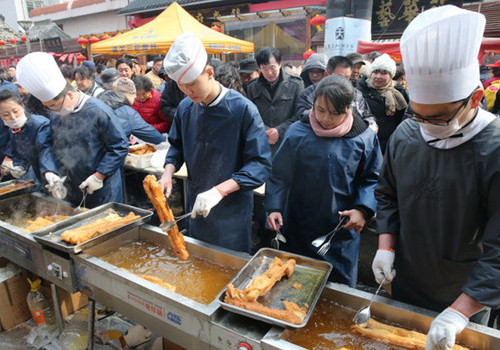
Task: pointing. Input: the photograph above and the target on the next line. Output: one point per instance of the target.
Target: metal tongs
(167, 225)
(275, 242)
(79, 208)
(323, 242)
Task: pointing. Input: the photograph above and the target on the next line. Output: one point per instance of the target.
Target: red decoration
(13, 41)
(307, 54)
(94, 40)
(80, 57)
(105, 37)
(317, 21)
(216, 28)
(2, 43)
(82, 41)
(23, 38)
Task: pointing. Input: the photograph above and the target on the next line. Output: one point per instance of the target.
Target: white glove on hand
(92, 184)
(18, 172)
(444, 328)
(382, 266)
(7, 165)
(205, 201)
(56, 185)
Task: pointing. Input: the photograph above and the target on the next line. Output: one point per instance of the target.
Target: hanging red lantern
(13, 41)
(2, 43)
(23, 38)
(105, 37)
(80, 57)
(317, 21)
(307, 54)
(94, 40)
(216, 28)
(82, 41)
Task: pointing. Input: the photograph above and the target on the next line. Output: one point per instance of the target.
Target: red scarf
(338, 131)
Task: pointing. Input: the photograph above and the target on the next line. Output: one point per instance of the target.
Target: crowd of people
(344, 139)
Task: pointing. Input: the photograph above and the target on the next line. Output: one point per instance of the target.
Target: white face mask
(441, 131)
(65, 111)
(17, 123)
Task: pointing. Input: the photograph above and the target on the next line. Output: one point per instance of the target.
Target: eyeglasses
(60, 106)
(439, 120)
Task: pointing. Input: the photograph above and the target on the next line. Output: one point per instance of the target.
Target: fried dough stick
(262, 284)
(156, 196)
(292, 313)
(17, 186)
(159, 282)
(395, 335)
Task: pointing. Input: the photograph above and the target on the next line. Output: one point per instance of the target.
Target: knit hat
(125, 86)
(385, 63)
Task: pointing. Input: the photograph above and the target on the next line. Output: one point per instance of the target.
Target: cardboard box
(69, 302)
(13, 292)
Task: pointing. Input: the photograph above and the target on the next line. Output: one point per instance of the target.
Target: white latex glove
(382, 266)
(55, 185)
(7, 164)
(18, 172)
(92, 183)
(205, 201)
(444, 328)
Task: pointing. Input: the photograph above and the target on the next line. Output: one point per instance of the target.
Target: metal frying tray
(310, 273)
(28, 188)
(51, 236)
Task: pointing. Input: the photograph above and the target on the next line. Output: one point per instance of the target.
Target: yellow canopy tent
(157, 36)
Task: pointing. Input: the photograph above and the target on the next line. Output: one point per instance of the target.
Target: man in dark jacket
(171, 96)
(275, 93)
(314, 69)
(339, 65)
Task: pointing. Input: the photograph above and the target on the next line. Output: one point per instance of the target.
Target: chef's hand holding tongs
(8, 167)
(55, 185)
(92, 183)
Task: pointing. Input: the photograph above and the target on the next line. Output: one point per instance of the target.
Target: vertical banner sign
(342, 35)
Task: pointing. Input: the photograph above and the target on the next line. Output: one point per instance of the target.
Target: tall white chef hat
(38, 73)
(439, 49)
(186, 59)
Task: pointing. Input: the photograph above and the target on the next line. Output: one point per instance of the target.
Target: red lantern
(318, 21)
(13, 41)
(94, 40)
(216, 28)
(23, 38)
(82, 41)
(307, 54)
(2, 43)
(80, 57)
(105, 37)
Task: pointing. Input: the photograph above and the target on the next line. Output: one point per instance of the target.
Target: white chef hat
(439, 49)
(38, 73)
(186, 59)
(386, 63)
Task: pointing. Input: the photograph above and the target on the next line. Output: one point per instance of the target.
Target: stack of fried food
(16, 186)
(395, 336)
(156, 196)
(41, 222)
(259, 286)
(98, 227)
(142, 149)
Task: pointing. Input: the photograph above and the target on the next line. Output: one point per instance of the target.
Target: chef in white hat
(439, 190)
(88, 143)
(220, 136)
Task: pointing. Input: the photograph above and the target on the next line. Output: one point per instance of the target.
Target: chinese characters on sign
(134, 47)
(394, 15)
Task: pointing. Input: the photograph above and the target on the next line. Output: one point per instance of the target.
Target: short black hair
(84, 72)
(400, 71)
(67, 71)
(338, 61)
(9, 95)
(264, 55)
(157, 58)
(337, 90)
(125, 60)
(99, 68)
(64, 91)
(142, 83)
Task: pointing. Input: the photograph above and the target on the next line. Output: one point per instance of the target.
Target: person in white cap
(88, 143)
(438, 195)
(220, 136)
(387, 99)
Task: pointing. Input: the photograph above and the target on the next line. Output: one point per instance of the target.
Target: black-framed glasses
(60, 106)
(436, 120)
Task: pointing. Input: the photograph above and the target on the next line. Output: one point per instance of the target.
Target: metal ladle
(363, 315)
(79, 208)
(167, 225)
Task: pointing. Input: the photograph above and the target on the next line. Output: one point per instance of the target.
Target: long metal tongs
(167, 225)
(323, 242)
(79, 208)
(275, 242)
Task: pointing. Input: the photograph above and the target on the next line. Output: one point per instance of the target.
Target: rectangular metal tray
(310, 273)
(26, 189)
(51, 236)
